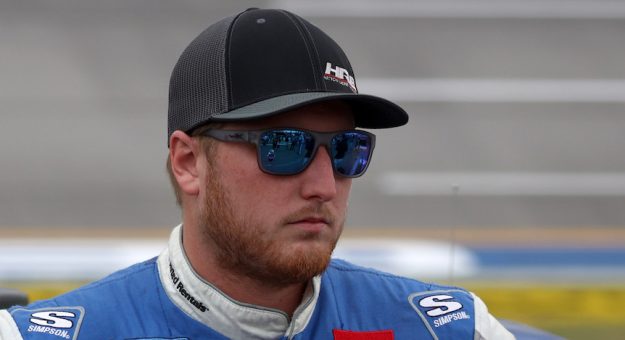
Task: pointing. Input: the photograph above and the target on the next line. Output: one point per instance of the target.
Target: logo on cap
(341, 76)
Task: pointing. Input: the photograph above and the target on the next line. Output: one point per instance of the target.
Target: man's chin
(302, 261)
(311, 247)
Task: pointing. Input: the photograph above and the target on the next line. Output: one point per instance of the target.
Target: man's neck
(285, 298)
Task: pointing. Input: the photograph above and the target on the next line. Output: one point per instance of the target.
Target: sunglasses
(289, 151)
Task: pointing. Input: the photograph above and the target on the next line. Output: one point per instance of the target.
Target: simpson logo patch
(437, 305)
(445, 313)
(369, 335)
(340, 75)
(55, 322)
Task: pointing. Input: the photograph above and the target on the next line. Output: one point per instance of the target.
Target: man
(263, 149)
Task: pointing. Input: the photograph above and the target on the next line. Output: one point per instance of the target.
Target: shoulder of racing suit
(127, 304)
(375, 300)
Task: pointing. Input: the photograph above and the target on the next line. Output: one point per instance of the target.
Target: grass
(590, 311)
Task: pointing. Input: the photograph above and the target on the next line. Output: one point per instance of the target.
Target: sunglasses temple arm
(231, 136)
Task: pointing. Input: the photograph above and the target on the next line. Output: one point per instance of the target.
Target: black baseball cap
(263, 62)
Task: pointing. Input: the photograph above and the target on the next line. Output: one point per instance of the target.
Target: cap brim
(370, 112)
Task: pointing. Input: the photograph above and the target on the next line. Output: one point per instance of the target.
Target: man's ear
(183, 154)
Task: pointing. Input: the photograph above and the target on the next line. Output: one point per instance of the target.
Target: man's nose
(318, 179)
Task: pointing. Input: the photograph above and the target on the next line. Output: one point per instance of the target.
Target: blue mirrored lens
(350, 153)
(285, 151)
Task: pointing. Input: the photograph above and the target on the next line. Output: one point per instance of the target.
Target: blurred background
(509, 178)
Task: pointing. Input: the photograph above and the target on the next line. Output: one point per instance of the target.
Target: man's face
(278, 229)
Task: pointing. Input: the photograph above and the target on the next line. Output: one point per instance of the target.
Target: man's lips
(312, 220)
(311, 223)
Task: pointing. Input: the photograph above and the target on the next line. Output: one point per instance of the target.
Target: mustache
(320, 211)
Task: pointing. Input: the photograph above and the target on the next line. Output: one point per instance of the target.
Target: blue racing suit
(163, 298)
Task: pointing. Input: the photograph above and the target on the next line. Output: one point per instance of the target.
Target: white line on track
(556, 9)
(495, 90)
(502, 184)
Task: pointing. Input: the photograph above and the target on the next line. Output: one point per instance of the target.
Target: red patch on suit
(369, 335)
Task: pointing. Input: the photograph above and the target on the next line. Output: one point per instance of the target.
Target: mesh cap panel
(198, 88)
